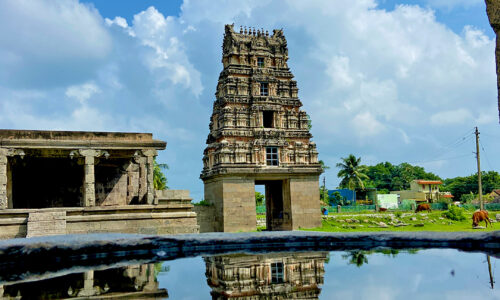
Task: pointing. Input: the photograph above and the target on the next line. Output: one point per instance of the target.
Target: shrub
(398, 214)
(202, 203)
(455, 213)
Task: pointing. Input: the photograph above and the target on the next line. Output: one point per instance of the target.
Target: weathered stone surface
(44, 223)
(256, 112)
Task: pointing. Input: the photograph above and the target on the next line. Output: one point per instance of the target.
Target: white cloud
(451, 117)
(43, 42)
(82, 92)
(366, 125)
(399, 81)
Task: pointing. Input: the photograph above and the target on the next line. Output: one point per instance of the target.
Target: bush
(398, 214)
(455, 213)
(202, 203)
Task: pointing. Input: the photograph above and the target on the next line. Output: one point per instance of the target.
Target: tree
(352, 172)
(459, 186)
(389, 177)
(356, 257)
(323, 165)
(259, 199)
(159, 179)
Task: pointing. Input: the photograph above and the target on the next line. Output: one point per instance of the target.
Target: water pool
(350, 268)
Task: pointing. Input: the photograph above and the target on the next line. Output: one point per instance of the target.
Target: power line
(485, 155)
(455, 144)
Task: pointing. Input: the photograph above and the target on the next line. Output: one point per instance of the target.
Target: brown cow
(382, 209)
(423, 206)
(479, 216)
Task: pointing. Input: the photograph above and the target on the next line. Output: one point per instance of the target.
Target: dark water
(374, 274)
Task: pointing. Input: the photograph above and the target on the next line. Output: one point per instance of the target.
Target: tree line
(388, 177)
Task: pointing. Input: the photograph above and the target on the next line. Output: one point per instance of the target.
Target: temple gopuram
(66, 182)
(266, 276)
(259, 136)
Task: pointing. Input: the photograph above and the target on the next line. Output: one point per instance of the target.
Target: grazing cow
(382, 209)
(479, 216)
(423, 206)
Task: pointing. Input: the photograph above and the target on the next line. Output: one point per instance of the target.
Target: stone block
(46, 223)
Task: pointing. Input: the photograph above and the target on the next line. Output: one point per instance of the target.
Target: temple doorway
(277, 208)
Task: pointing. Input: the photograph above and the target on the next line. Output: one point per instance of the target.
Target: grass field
(409, 221)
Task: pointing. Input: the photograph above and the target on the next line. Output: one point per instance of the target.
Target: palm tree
(352, 172)
(356, 257)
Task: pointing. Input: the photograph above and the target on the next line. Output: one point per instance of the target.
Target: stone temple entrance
(259, 135)
(277, 205)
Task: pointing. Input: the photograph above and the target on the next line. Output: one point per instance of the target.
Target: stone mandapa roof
(77, 139)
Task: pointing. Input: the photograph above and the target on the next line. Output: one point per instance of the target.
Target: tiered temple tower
(259, 135)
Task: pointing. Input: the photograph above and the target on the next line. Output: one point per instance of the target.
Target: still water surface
(376, 274)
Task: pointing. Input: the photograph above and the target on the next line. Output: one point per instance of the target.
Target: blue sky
(398, 81)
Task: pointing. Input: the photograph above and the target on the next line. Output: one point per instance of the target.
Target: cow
(382, 209)
(423, 206)
(479, 216)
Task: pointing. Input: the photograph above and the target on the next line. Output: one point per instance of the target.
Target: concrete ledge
(144, 219)
(131, 216)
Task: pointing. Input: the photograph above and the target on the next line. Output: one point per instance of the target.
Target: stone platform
(142, 219)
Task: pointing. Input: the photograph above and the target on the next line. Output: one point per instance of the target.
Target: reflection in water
(360, 257)
(269, 276)
(132, 281)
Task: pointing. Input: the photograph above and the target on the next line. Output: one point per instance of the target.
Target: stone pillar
(88, 285)
(3, 179)
(89, 176)
(150, 188)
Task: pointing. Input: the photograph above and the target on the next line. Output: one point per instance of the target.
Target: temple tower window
(260, 62)
(272, 156)
(268, 119)
(264, 89)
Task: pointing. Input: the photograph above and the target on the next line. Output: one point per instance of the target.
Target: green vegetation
(455, 213)
(203, 202)
(159, 179)
(259, 199)
(462, 187)
(371, 222)
(360, 257)
(353, 174)
(388, 177)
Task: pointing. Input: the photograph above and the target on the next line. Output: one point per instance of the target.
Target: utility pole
(492, 280)
(481, 205)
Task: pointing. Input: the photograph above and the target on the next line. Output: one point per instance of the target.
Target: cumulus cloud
(82, 92)
(43, 42)
(384, 85)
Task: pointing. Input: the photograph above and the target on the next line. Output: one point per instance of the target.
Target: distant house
(423, 191)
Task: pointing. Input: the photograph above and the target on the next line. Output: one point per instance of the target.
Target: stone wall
(305, 207)
(239, 213)
(205, 217)
(140, 219)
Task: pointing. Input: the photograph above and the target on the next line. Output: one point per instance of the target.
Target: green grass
(431, 223)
